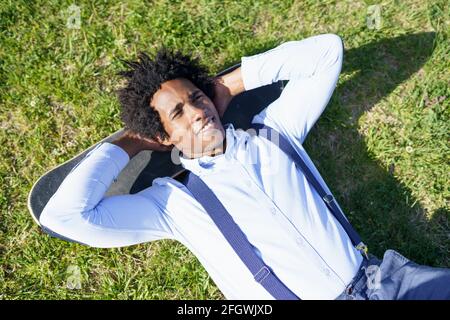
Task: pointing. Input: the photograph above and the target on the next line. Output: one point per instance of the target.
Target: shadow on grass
(379, 207)
(378, 203)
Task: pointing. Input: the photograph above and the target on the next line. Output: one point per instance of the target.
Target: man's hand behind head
(133, 143)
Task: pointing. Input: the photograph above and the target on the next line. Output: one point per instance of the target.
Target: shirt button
(327, 272)
(299, 242)
(273, 210)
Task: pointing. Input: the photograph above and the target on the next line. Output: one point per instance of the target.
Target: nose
(198, 114)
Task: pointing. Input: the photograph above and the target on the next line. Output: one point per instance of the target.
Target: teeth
(207, 126)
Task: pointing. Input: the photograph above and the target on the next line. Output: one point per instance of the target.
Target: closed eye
(177, 113)
(179, 108)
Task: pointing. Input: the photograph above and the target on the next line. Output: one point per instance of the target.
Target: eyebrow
(179, 105)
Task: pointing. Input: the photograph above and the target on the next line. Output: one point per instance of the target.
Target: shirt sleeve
(79, 211)
(312, 66)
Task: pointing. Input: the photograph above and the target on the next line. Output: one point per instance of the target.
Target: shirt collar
(205, 164)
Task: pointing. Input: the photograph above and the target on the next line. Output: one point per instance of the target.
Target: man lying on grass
(304, 251)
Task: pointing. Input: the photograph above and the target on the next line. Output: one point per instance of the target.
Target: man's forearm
(226, 88)
(84, 187)
(130, 147)
(233, 81)
(134, 143)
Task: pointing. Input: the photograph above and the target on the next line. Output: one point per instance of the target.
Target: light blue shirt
(269, 198)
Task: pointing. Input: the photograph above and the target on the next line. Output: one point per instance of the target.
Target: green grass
(382, 144)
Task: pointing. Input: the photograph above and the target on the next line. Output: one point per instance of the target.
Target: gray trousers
(397, 278)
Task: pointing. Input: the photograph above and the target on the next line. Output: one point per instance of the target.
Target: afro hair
(145, 76)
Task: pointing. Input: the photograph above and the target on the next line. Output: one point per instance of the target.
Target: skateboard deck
(143, 168)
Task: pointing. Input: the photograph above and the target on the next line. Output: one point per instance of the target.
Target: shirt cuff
(249, 72)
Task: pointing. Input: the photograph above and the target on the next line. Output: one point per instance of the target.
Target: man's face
(189, 117)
